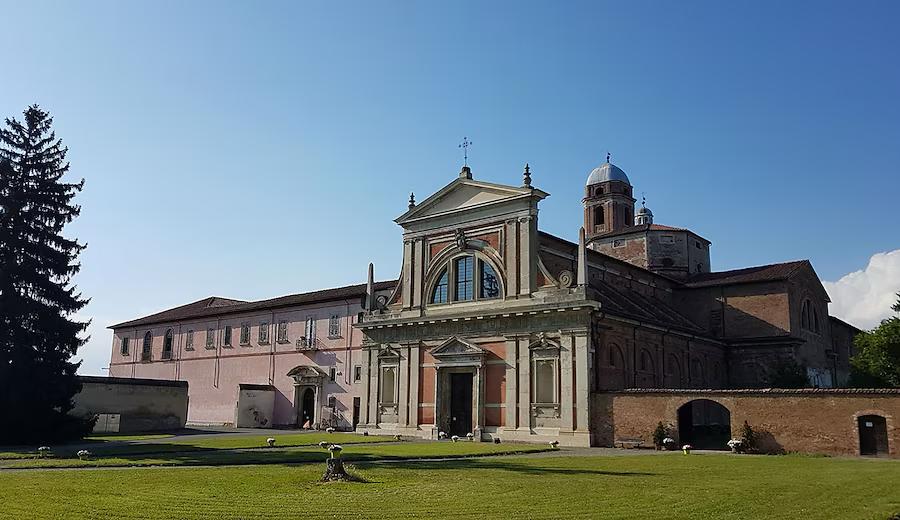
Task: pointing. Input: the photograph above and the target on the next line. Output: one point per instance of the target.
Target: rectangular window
(666, 239)
(332, 374)
(334, 326)
(189, 340)
(124, 349)
(465, 279)
(210, 338)
(310, 332)
(357, 374)
(282, 331)
(227, 341)
(245, 333)
(263, 332)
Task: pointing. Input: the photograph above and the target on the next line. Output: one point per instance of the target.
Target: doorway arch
(308, 408)
(873, 439)
(704, 424)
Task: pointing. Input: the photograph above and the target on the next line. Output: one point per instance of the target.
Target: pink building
(283, 361)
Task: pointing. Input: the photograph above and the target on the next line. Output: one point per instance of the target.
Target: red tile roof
(646, 227)
(215, 306)
(761, 273)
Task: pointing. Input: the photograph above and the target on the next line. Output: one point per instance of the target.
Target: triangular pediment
(456, 347)
(466, 194)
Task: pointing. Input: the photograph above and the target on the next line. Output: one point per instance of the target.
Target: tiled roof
(761, 273)
(627, 303)
(768, 391)
(622, 301)
(645, 227)
(215, 306)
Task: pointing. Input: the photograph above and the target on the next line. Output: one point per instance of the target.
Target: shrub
(659, 434)
(748, 438)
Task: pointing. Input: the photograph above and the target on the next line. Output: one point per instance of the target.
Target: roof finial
(643, 199)
(526, 177)
(465, 144)
(607, 156)
(412, 200)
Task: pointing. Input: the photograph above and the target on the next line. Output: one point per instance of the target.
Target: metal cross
(465, 146)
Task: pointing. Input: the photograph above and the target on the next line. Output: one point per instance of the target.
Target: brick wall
(807, 420)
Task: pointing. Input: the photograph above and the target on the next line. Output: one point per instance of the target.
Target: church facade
(496, 328)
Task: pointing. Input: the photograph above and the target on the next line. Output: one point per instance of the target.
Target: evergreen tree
(38, 335)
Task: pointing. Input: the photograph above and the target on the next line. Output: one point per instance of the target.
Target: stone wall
(805, 420)
(133, 405)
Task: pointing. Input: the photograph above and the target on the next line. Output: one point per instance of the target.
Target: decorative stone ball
(329, 429)
(454, 438)
(496, 440)
(270, 441)
(554, 444)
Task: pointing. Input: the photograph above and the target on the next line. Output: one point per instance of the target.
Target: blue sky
(251, 149)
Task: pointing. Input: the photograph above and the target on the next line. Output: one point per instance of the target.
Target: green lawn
(230, 456)
(665, 486)
(112, 446)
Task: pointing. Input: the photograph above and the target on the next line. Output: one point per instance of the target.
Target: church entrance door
(308, 408)
(460, 403)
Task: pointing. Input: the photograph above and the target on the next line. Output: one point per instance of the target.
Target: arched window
(167, 345)
(471, 278)
(464, 270)
(490, 284)
(646, 361)
(815, 320)
(598, 216)
(804, 315)
(439, 295)
(147, 346)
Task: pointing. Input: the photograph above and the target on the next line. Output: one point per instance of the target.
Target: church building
(496, 328)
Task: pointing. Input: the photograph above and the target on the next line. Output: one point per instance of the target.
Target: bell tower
(608, 201)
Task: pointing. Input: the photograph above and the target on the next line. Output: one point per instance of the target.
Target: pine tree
(38, 335)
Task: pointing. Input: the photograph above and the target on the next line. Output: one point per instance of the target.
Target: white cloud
(864, 298)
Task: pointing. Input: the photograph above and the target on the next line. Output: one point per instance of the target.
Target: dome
(607, 172)
(644, 210)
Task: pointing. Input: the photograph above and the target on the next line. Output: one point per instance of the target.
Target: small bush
(660, 433)
(748, 438)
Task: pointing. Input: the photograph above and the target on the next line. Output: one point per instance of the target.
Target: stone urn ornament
(334, 466)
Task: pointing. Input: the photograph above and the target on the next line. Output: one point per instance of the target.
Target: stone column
(403, 386)
(582, 382)
(418, 259)
(511, 258)
(414, 363)
(524, 422)
(374, 379)
(512, 353)
(407, 273)
(566, 401)
(479, 402)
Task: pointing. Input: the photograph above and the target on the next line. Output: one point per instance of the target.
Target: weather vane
(465, 146)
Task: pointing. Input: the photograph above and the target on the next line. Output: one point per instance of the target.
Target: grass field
(226, 456)
(666, 486)
(109, 446)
